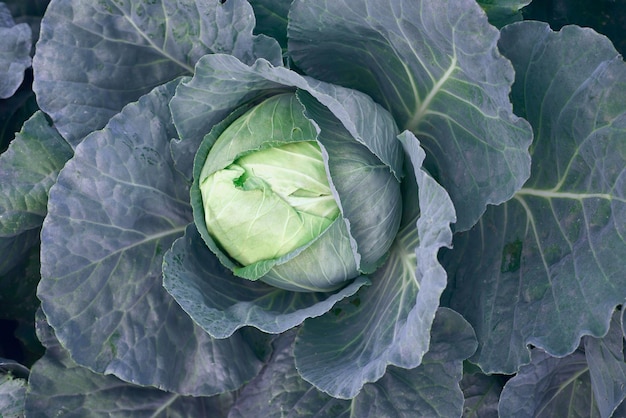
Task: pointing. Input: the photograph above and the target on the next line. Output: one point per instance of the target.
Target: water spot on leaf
(511, 256)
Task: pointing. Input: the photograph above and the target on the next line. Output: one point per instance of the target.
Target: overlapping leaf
(389, 322)
(28, 169)
(503, 12)
(548, 266)
(587, 383)
(549, 387)
(221, 303)
(59, 386)
(15, 44)
(432, 389)
(95, 57)
(116, 208)
(435, 66)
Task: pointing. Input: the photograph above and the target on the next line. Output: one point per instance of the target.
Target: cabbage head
(268, 203)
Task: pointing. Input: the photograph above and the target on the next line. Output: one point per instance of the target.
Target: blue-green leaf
(435, 66)
(15, 44)
(430, 390)
(271, 18)
(28, 169)
(279, 390)
(117, 206)
(548, 267)
(550, 387)
(607, 368)
(221, 303)
(389, 322)
(59, 386)
(95, 57)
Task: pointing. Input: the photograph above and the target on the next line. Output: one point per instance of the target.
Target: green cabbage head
(269, 204)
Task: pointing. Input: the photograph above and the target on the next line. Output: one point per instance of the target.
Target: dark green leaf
(548, 266)
(389, 322)
(430, 390)
(425, 61)
(27, 171)
(271, 18)
(280, 392)
(15, 44)
(550, 387)
(503, 12)
(95, 57)
(116, 208)
(482, 393)
(18, 286)
(605, 357)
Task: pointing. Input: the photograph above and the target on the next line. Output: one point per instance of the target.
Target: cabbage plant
(316, 208)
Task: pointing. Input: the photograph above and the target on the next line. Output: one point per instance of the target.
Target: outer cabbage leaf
(15, 44)
(548, 266)
(221, 303)
(271, 18)
(607, 369)
(432, 389)
(389, 322)
(95, 57)
(435, 66)
(118, 204)
(503, 12)
(549, 387)
(588, 383)
(28, 169)
(59, 386)
(482, 393)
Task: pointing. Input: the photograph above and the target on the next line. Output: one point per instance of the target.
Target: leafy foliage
(503, 136)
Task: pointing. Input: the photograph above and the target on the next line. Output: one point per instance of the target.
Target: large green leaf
(15, 44)
(279, 391)
(435, 66)
(430, 390)
(28, 169)
(389, 322)
(59, 386)
(117, 206)
(550, 387)
(548, 266)
(607, 369)
(93, 57)
(221, 303)
(588, 383)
